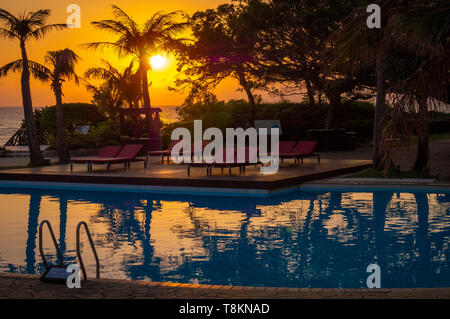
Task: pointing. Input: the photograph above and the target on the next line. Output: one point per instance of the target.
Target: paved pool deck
(174, 178)
(20, 286)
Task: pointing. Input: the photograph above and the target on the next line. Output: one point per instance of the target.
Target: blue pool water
(314, 239)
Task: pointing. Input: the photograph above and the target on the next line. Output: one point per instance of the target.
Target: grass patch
(372, 173)
(433, 137)
(439, 137)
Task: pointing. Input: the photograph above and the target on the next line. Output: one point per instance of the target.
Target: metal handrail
(97, 262)
(41, 250)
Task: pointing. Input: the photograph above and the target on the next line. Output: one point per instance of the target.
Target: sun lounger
(286, 147)
(168, 153)
(126, 155)
(301, 150)
(230, 160)
(105, 152)
(163, 153)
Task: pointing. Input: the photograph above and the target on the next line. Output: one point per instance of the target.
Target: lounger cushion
(105, 152)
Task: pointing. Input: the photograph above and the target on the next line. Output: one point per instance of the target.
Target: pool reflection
(320, 239)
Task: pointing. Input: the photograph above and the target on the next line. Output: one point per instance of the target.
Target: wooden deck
(174, 177)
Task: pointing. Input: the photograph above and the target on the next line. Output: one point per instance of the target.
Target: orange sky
(92, 10)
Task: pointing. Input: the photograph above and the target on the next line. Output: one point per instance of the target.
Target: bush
(295, 118)
(105, 133)
(74, 114)
(440, 126)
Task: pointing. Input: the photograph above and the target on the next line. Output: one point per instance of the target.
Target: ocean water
(11, 118)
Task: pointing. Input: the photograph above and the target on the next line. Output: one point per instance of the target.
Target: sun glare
(158, 62)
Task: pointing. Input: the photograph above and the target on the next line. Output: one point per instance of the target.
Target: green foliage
(296, 118)
(102, 134)
(74, 114)
(101, 131)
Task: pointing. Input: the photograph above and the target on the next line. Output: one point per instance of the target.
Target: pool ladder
(78, 247)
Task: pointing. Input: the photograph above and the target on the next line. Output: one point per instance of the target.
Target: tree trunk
(63, 150)
(335, 112)
(380, 107)
(36, 158)
(147, 103)
(422, 127)
(251, 99)
(312, 102)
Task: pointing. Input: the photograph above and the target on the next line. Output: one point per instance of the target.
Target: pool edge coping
(196, 291)
(174, 185)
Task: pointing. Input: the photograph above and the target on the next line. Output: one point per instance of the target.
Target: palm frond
(125, 18)
(11, 67)
(8, 18)
(97, 72)
(63, 63)
(112, 26)
(430, 24)
(42, 31)
(121, 50)
(39, 71)
(7, 34)
(38, 18)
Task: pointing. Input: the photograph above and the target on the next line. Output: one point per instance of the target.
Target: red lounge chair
(105, 152)
(163, 153)
(230, 159)
(194, 153)
(301, 150)
(229, 155)
(126, 155)
(286, 147)
(167, 153)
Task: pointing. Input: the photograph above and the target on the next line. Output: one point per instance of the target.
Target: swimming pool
(318, 239)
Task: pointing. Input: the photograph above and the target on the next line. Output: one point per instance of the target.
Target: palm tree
(124, 86)
(141, 42)
(422, 28)
(118, 88)
(24, 27)
(357, 47)
(62, 63)
(426, 28)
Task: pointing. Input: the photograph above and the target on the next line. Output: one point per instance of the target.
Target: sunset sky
(94, 10)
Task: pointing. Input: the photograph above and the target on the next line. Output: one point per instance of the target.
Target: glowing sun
(158, 62)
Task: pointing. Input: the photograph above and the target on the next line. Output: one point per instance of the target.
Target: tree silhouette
(157, 34)
(26, 27)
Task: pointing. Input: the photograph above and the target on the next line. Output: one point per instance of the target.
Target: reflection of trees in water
(31, 252)
(62, 224)
(423, 244)
(380, 203)
(303, 254)
(123, 222)
(33, 217)
(269, 252)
